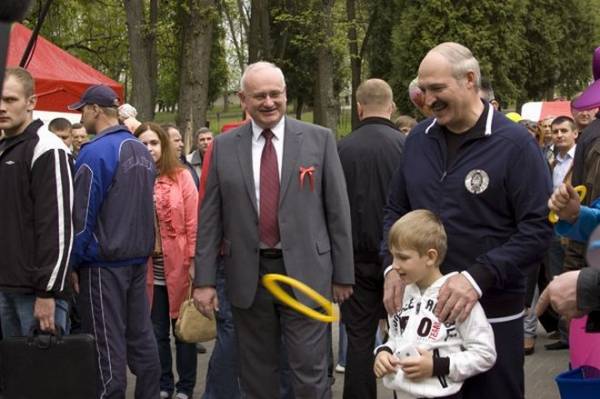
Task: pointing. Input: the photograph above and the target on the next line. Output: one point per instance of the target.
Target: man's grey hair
(461, 59)
(256, 67)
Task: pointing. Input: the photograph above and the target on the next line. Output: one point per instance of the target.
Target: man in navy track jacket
(486, 179)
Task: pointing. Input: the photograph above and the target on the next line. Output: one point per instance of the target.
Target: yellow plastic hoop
(270, 281)
(581, 190)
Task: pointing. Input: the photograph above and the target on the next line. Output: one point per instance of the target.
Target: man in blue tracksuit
(486, 179)
(114, 227)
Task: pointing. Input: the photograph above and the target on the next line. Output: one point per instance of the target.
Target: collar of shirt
(278, 131)
(568, 156)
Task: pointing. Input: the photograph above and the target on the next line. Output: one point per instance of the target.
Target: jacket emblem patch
(477, 181)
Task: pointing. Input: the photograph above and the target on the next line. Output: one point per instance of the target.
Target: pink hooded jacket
(177, 210)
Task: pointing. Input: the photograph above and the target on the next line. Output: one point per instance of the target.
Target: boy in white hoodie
(423, 357)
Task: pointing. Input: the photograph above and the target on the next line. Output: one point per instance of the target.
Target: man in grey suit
(276, 202)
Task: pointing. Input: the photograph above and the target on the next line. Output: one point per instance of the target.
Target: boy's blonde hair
(419, 230)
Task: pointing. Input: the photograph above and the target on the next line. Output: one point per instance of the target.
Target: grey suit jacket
(314, 224)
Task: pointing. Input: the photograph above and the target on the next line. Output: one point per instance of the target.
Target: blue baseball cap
(100, 95)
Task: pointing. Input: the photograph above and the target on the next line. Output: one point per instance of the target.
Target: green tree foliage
(95, 31)
(485, 26)
(218, 73)
(529, 49)
(559, 49)
(92, 30)
(381, 23)
(295, 44)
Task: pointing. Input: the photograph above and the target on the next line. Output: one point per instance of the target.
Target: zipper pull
(443, 176)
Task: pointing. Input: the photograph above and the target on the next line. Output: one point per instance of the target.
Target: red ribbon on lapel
(307, 171)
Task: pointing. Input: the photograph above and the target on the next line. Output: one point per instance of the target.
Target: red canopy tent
(60, 78)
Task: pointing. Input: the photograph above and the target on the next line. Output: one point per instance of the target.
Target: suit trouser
(115, 310)
(259, 332)
(506, 378)
(361, 314)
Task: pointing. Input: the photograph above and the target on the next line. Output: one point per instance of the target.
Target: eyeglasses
(273, 95)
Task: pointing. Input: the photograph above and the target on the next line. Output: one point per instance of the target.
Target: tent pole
(33, 39)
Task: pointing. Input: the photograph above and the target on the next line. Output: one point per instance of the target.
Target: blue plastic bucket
(580, 383)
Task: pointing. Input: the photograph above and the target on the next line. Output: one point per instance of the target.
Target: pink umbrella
(590, 98)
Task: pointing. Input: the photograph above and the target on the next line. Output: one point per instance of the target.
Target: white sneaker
(164, 395)
(340, 369)
(181, 396)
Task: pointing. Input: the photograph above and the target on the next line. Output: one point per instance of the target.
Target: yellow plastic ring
(270, 281)
(581, 190)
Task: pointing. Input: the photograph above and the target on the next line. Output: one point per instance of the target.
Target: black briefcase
(48, 366)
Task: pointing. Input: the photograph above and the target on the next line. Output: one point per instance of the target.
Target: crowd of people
(439, 227)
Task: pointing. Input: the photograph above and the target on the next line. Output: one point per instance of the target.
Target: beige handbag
(192, 326)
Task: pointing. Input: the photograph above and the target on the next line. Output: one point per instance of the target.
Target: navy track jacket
(492, 200)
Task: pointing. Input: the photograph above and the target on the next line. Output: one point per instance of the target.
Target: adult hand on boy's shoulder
(393, 291)
(385, 363)
(418, 367)
(455, 299)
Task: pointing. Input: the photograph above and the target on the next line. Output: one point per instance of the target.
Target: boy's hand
(418, 367)
(385, 363)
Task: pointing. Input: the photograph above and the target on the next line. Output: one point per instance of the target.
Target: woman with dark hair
(176, 203)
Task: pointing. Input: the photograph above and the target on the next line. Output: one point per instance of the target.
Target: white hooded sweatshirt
(469, 345)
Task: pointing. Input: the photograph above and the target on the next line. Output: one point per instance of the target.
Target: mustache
(438, 104)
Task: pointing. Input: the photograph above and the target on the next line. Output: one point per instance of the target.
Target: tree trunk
(197, 26)
(226, 100)
(152, 52)
(259, 36)
(299, 107)
(326, 105)
(139, 50)
(355, 60)
(237, 42)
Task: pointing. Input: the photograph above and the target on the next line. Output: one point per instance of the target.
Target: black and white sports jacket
(36, 200)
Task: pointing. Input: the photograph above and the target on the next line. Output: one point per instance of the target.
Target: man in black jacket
(35, 210)
(369, 156)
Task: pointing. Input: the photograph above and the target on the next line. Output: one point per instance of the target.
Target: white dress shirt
(561, 167)
(258, 143)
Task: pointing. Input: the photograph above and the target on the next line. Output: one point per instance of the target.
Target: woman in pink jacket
(176, 205)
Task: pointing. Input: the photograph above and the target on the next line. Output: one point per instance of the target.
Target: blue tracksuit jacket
(113, 211)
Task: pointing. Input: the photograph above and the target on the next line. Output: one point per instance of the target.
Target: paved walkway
(540, 370)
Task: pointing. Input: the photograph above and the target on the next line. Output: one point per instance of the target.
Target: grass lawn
(218, 118)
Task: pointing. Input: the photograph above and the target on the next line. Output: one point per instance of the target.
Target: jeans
(530, 321)
(222, 380)
(16, 314)
(342, 345)
(185, 354)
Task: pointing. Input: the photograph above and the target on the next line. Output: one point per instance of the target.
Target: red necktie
(269, 192)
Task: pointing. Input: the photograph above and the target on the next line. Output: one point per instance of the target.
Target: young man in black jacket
(35, 209)
(369, 156)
